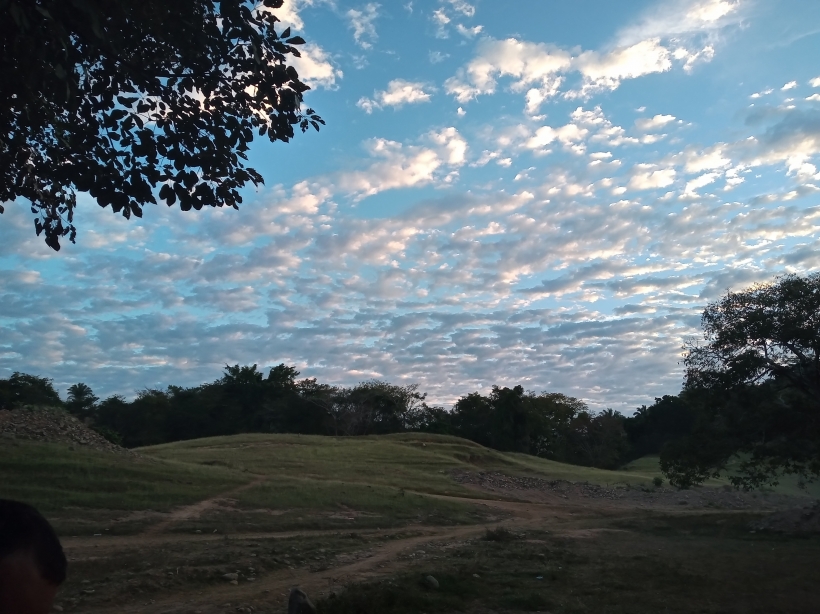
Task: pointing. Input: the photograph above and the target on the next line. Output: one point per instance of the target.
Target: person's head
(32, 562)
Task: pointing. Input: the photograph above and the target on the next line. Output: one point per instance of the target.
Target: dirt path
(560, 515)
(271, 590)
(379, 560)
(195, 510)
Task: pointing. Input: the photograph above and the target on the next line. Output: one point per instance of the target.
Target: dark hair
(23, 528)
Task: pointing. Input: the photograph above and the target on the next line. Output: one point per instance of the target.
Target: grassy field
(351, 498)
(410, 461)
(648, 467)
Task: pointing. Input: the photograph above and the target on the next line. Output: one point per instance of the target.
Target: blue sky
(529, 192)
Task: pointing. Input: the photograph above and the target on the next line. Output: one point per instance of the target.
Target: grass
(648, 467)
(51, 476)
(411, 461)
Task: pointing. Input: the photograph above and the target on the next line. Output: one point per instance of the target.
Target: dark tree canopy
(137, 100)
(755, 387)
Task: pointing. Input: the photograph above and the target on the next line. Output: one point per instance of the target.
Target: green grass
(53, 477)
(648, 467)
(412, 461)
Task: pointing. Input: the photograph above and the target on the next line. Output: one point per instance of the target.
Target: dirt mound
(53, 426)
(799, 520)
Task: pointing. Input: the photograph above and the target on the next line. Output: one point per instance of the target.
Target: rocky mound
(53, 426)
(700, 497)
(799, 520)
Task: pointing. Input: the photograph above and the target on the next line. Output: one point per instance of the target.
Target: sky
(529, 192)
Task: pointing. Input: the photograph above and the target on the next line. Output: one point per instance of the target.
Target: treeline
(244, 399)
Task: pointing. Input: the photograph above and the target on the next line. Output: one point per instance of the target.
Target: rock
(234, 582)
(231, 576)
(431, 582)
(298, 603)
(57, 608)
(54, 425)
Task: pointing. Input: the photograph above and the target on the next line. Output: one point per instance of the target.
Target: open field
(360, 522)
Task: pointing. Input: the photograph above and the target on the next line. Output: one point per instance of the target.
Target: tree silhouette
(133, 101)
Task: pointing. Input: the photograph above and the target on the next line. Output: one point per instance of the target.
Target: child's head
(32, 563)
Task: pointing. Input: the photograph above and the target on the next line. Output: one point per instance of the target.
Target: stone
(431, 582)
(231, 576)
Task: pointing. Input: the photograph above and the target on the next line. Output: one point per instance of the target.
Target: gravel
(53, 425)
(699, 497)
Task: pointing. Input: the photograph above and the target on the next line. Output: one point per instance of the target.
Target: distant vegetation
(244, 400)
(751, 402)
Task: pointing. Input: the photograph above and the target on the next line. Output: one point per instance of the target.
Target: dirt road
(384, 552)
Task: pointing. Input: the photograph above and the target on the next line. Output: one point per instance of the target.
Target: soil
(53, 425)
(246, 577)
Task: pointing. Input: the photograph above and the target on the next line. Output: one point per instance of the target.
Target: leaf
(296, 40)
(286, 33)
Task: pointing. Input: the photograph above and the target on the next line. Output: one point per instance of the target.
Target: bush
(657, 482)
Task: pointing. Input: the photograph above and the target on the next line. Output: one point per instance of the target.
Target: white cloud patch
(682, 20)
(789, 86)
(649, 124)
(606, 71)
(468, 32)
(462, 7)
(683, 32)
(398, 93)
(363, 23)
(528, 63)
(316, 68)
(646, 178)
(440, 20)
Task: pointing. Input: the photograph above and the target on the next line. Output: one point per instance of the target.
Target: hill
(229, 524)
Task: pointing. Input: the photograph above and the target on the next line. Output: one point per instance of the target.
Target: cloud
(648, 124)
(682, 32)
(403, 166)
(468, 32)
(362, 22)
(465, 8)
(699, 182)
(606, 71)
(681, 20)
(315, 67)
(398, 93)
(647, 179)
(528, 63)
(440, 19)
(815, 82)
(789, 86)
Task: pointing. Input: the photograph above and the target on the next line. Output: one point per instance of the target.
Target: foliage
(82, 402)
(24, 389)
(650, 428)
(246, 400)
(130, 100)
(551, 425)
(755, 388)
(767, 332)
